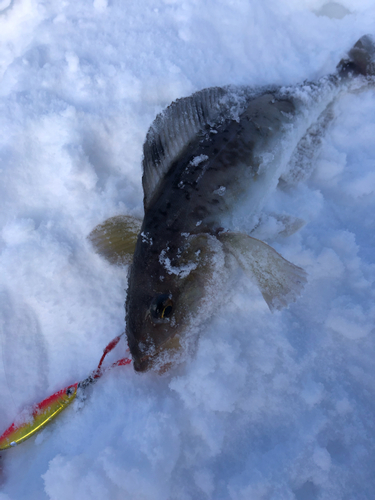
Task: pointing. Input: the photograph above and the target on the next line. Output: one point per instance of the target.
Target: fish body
(203, 156)
(184, 214)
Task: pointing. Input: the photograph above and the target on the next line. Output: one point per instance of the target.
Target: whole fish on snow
(202, 156)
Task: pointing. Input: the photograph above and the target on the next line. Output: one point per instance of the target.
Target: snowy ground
(273, 406)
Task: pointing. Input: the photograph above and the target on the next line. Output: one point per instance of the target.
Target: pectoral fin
(280, 281)
(115, 238)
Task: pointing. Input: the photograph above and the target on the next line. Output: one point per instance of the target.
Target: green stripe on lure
(44, 412)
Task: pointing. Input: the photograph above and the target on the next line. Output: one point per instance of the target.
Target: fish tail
(360, 60)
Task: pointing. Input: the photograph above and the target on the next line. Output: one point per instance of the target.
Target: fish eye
(166, 311)
(161, 307)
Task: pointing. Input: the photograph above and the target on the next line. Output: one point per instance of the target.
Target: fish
(203, 156)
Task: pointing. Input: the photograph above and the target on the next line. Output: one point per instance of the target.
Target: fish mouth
(148, 361)
(144, 363)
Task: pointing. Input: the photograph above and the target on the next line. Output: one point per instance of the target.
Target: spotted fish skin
(201, 156)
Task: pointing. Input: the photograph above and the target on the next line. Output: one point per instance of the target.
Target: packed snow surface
(272, 406)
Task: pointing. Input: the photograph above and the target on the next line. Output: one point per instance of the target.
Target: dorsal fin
(173, 129)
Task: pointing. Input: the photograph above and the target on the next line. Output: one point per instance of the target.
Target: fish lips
(148, 361)
(143, 356)
(143, 364)
(152, 359)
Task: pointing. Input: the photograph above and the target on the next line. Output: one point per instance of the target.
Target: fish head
(169, 292)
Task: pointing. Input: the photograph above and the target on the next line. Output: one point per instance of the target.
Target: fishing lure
(44, 412)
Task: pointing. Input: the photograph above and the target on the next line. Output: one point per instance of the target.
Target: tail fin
(361, 60)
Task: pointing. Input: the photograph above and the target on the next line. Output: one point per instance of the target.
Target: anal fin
(115, 238)
(280, 281)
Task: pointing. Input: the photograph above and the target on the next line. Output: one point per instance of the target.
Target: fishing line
(41, 414)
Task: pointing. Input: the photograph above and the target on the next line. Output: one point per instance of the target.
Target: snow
(182, 271)
(272, 406)
(198, 159)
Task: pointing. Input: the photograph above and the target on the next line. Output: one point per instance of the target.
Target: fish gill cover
(273, 405)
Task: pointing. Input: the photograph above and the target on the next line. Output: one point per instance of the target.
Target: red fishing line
(108, 349)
